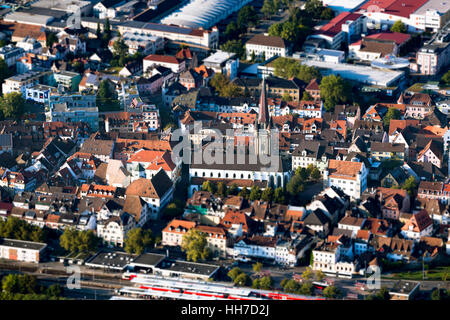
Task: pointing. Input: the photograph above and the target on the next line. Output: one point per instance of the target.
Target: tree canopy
(334, 90)
(446, 78)
(224, 87)
(410, 185)
(195, 245)
(288, 68)
(107, 97)
(25, 287)
(137, 240)
(235, 46)
(15, 228)
(392, 113)
(12, 105)
(76, 241)
(332, 292)
(399, 26)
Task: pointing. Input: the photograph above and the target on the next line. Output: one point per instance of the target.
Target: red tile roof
(401, 8)
(163, 58)
(397, 37)
(333, 27)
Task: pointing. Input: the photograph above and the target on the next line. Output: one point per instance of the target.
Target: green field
(437, 274)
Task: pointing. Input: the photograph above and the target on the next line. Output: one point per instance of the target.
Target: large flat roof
(356, 73)
(343, 5)
(22, 244)
(111, 260)
(190, 267)
(148, 259)
(219, 57)
(441, 6)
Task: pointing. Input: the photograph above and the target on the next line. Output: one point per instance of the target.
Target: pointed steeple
(263, 118)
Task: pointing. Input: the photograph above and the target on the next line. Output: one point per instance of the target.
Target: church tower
(262, 126)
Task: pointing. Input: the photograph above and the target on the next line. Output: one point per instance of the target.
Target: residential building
(350, 176)
(420, 225)
(266, 47)
(171, 62)
(19, 250)
(344, 28)
(434, 56)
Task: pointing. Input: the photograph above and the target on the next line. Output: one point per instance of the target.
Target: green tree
(268, 8)
(295, 186)
(235, 46)
(230, 91)
(107, 97)
(79, 241)
(173, 210)
(221, 189)
(320, 275)
(291, 286)
(392, 113)
(138, 240)
(195, 245)
(78, 66)
(315, 174)
(257, 267)
(247, 17)
(267, 194)
(399, 26)
(286, 97)
(440, 294)
(278, 196)
(55, 290)
(232, 31)
(306, 289)
(382, 294)
(209, 187)
(334, 90)
(275, 29)
(306, 96)
(98, 32)
(12, 105)
(410, 185)
(242, 280)
(244, 193)
(307, 274)
(106, 32)
(288, 68)
(4, 72)
(252, 57)
(121, 51)
(446, 78)
(266, 283)
(332, 292)
(255, 193)
(51, 38)
(233, 273)
(327, 14)
(233, 190)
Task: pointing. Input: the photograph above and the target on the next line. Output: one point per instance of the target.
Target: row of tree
(333, 89)
(25, 287)
(15, 228)
(255, 193)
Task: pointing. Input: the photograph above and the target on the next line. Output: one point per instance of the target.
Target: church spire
(263, 118)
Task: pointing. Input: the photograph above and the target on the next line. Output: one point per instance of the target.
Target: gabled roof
(270, 41)
(317, 217)
(156, 187)
(163, 59)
